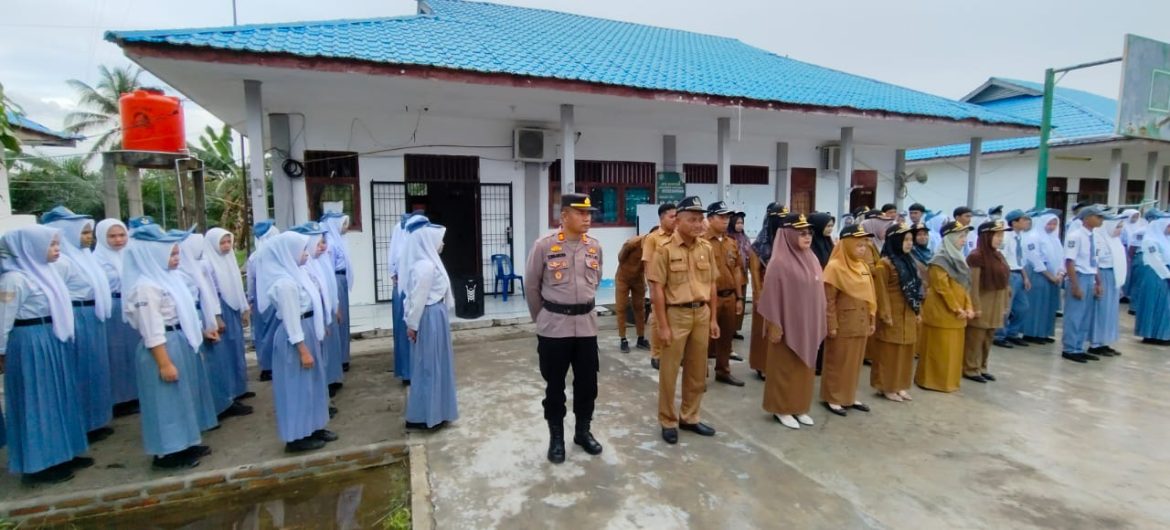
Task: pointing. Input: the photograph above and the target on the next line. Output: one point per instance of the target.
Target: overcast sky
(942, 47)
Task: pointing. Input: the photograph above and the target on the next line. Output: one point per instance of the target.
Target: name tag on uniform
(1031, 246)
(1071, 244)
(555, 256)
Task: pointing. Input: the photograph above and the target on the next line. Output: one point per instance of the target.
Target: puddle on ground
(376, 498)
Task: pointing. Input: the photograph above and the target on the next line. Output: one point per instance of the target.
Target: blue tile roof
(1076, 115)
(494, 38)
(22, 121)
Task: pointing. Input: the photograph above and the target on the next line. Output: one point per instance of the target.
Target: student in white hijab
(320, 269)
(227, 367)
(261, 321)
(46, 426)
(89, 289)
(336, 226)
(1113, 269)
(112, 237)
(1152, 323)
(1045, 254)
(298, 372)
(399, 243)
(431, 401)
(172, 384)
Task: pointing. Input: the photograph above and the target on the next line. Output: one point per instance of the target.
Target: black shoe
(175, 461)
(1091, 357)
(246, 395)
(737, 357)
(196, 451)
(334, 388)
(417, 425)
(642, 344)
(867, 362)
(1100, 351)
(307, 443)
(1075, 357)
(701, 429)
(99, 434)
(1018, 341)
(728, 379)
(332, 412)
(976, 378)
(556, 442)
(654, 363)
(128, 408)
(1034, 340)
(860, 406)
(406, 382)
(236, 409)
(625, 346)
(265, 375)
(325, 435)
(1002, 344)
(838, 411)
(52, 475)
(760, 375)
(585, 439)
(669, 435)
(344, 367)
(989, 377)
(738, 336)
(1113, 351)
(1048, 340)
(79, 462)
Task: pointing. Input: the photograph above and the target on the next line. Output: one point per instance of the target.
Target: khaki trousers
(690, 330)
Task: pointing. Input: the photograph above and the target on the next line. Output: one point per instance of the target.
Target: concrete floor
(1053, 444)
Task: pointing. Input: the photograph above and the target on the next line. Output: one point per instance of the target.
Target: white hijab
(422, 257)
(225, 268)
(1156, 235)
(1109, 233)
(191, 263)
(145, 264)
(92, 271)
(1047, 243)
(103, 252)
(333, 223)
(398, 256)
(1131, 228)
(28, 252)
(280, 259)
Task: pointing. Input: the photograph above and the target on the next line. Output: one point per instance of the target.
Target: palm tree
(99, 106)
(225, 181)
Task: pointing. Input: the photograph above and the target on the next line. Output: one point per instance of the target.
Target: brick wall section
(64, 508)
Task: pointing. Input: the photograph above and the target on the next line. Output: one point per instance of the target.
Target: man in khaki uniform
(728, 288)
(667, 218)
(563, 272)
(683, 276)
(630, 290)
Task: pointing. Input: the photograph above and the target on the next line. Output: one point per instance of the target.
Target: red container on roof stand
(152, 121)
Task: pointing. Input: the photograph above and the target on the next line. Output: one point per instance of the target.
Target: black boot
(556, 442)
(585, 439)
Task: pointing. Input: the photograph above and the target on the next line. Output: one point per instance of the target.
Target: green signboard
(670, 187)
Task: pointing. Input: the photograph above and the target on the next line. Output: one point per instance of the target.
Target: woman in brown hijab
(850, 308)
(945, 313)
(793, 307)
(991, 298)
(899, 299)
(758, 266)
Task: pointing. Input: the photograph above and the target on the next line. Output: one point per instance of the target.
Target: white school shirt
(424, 292)
(1011, 242)
(20, 298)
(150, 309)
(1076, 248)
(291, 301)
(75, 279)
(1153, 258)
(1105, 258)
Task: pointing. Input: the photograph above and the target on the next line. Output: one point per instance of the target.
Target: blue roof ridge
(112, 35)
(1058, 93)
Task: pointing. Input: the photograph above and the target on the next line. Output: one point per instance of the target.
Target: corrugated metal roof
(1076, 116)
(22, 121)
(494, 38)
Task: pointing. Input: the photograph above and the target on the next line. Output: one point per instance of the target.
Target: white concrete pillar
(1151, 176)
(134, 192)
(290, 196)
(845, 173)
(973, 163)
(254, 125)
(113, 205)
(783, 182)
(899, 177)
(724, 157)
(1116, 182)
(568, 151)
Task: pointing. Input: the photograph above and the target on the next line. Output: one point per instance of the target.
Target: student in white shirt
(1015, 252)
(1084, 289)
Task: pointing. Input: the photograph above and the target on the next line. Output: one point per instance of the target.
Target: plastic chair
(505, 274)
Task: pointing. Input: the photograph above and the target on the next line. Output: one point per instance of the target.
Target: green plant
(100, 104)
(397, 518)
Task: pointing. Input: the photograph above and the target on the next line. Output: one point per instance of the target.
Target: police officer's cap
(691, 204)
(719, 208)
(776, 209)
(993, 226)
(899, 228)
(795, 221)
(854, 231)
(952, 227)
(578, 201)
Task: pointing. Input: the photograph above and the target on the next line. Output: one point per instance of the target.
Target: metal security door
(389, 204)
(495, 207)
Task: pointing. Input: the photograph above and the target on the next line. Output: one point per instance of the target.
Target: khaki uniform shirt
(686, 272)
(650, 245)
(630, 265)
(727, 261)
(563, 272)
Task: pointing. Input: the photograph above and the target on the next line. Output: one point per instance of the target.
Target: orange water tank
(152, 121)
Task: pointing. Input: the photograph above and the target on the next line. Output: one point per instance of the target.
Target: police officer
(630, 290)
(1015, 251)
(683, 276)
(667, 218)
(1083, 288)
(728, 289)
(567, 267)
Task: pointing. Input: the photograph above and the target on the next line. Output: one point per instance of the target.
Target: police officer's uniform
(563, 277)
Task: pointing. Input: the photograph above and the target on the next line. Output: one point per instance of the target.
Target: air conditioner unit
(831, 157)
(533, 145)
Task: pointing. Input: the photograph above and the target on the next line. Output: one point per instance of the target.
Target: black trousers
(557, 355)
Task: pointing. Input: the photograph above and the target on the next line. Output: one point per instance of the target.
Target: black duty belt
(176, 327)
(689, 305)
(83, 303)
(725, 292)
(22, 322)
(306, 315)
(569, 309)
